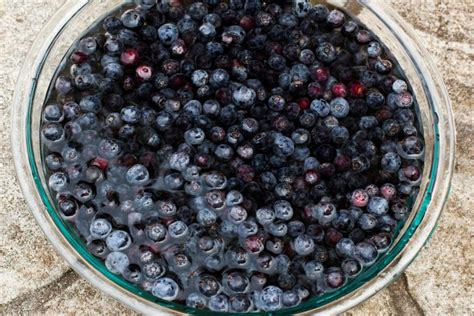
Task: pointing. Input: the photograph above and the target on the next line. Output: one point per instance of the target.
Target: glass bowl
(75, 17)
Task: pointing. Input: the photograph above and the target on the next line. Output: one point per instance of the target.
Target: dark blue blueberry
(197, 10)
(130, 114)
(168, 33)
(366, 253)
(64, 84)
(367, 222)
(207, 32)
(112, 24)
(114, 46)
(113, 71)
(219, 78)
(391, 162)
(132, 19)
(90, 103)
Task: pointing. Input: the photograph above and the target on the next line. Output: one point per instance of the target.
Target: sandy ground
(34, 279)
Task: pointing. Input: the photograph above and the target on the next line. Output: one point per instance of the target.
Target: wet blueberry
(165, 288)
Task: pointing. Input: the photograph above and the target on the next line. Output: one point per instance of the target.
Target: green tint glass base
(437, 125)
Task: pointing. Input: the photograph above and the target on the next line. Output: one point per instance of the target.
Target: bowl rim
(442, 168)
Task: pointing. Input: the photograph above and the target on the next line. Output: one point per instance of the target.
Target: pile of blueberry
(233, 155)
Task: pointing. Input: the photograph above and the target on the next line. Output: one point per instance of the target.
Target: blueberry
(271, 298)
(326, 52)
(307, 56)
(325, 212)
(391, 162)
(276, 103)
(178, 229)
(240, 303)
(156, 232)
(374, 49)
(116, 262)
(236, 282)
(194, 136)
(224, 152)
(339, 107)
(351, 267)
(283, 145)
(112, 24)
(54, 161)
(100, 228)
(52, 133)
(290, 299)
(90, 103)
(118, 240)
(367, 122)
(345, 247)
(165, 288)
(321, 107)
(211, 107)
(58, 181)
(366, 253)
(283, 210)
(131, 19)
(339, 134)
(113, 71)
(196, 300)
(313, 269)
(276, 62)
(207, 31)
(219, 78)
(244, 97)
(168, 33)
(64, 84)
(367, 222)
(199, 77)
(84, 82)
(214, 49)
(153, 270)
(197, 10)
(206, 217)
(381, 241)
(137, 175)
(377, 205)
(383, 66)
(219, 303)
(173, 181)
(83, 192)
(335, 278)
(303, 245)
(208, 285)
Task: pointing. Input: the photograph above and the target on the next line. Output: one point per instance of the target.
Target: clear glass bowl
(434, 110)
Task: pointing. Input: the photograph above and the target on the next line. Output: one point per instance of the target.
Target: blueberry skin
(58, 181)
(168, 33)
(63, 84)
(326, 52)
(116, 262)
(90, 103)
(320, 107)
(339, 107)
(244, 97)
(112, 24)
(283, 145)
(165, 288)
(391, 162)
(137, 175)
(131, 19)
(378, 205)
